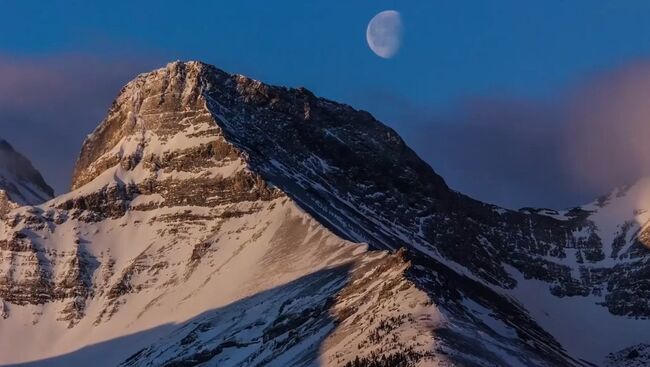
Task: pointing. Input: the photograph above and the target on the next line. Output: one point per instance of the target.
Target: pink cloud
(566, 150)
(609, 127)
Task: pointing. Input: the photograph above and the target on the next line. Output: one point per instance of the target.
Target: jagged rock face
(358, 177)
(156, 131)
(140, 109)
(197, 174)
(337, 162)
(20, 182)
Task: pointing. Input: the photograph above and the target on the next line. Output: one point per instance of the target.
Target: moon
(384, 33)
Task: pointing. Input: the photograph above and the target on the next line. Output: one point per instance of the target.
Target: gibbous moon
(384, 33)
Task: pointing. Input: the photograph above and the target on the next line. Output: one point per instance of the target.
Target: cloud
(502, 150)
(560, 152)
(609, 127)
(49, 104)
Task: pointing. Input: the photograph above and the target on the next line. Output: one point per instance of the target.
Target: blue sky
(452, 52)
(451, 48)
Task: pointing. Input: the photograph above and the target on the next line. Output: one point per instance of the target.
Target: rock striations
(218, 221)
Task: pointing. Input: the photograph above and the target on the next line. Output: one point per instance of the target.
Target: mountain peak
(190, 103)
(174, 87)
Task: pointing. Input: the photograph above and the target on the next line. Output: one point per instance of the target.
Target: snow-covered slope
(609, 301)
(216, 220)
(20, 182)
(265, 272)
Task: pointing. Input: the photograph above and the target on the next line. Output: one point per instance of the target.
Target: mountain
(217, 220)
(20, 182)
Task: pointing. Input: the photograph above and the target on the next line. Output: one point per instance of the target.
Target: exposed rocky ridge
(20, 182)
(195, 171)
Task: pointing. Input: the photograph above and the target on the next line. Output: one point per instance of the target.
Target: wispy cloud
(609, 127)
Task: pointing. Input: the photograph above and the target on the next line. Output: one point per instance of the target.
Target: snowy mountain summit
(215, 220)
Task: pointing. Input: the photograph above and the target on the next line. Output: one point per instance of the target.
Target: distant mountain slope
(219, 221)
(20, 182)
